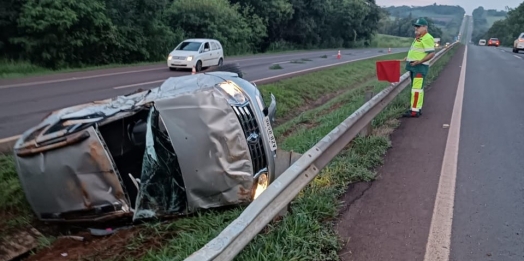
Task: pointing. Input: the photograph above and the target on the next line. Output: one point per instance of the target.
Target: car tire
(220, 62)
(198, 66)
(172, 69)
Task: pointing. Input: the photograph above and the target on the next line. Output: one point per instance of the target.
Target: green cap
(421, 22)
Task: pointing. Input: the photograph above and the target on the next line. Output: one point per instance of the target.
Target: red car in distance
(494, 42)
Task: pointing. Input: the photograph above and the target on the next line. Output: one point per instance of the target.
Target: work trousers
(417, 90)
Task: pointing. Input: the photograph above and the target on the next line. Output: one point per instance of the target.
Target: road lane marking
(137, 84)
(518, 56)
(154, 69)
(272, 77)
(439, 238)
(77, 78)
(9, 139)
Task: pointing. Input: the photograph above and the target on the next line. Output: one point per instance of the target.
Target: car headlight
(233, 91)
(189, 58)
(170, 57)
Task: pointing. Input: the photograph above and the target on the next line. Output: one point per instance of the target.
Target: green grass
(275, 67)
(15, 210)
(308, 233)
(390, 41)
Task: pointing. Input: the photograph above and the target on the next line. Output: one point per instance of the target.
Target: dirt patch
(134, 241)
(387, 129)
(310, 104)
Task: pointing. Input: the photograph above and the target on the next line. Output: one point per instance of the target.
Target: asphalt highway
(23, 102)
(452, 186)
(488, 221)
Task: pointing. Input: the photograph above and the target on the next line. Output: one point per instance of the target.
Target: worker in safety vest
(422, 50)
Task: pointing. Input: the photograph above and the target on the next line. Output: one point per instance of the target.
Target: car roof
(199, 40)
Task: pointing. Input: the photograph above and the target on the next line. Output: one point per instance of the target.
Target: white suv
(199, 53)
(518, 44)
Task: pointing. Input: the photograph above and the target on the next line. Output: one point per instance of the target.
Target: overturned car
(197, 141)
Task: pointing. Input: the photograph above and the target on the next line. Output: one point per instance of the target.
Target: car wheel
(198, 66)
(220, 62)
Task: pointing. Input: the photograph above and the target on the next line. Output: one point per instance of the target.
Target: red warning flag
(388, 71)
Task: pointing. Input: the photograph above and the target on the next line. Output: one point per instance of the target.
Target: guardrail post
(366, 131)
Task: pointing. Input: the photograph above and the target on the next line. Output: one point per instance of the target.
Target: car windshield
(494, 39)
(189, 46)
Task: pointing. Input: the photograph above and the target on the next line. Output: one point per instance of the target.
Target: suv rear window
(494, 39)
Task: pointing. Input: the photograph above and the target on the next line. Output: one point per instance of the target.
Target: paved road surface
(23, 102)
(390, 219)
(488, 221)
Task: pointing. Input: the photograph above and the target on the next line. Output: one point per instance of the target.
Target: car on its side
(482, 42)
(518, 44)
(196, 142)
(198, 52)
(493, 42)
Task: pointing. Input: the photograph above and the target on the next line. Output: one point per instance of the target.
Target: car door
(207, 55)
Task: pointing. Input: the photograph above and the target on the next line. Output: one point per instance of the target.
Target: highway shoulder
(389, 219)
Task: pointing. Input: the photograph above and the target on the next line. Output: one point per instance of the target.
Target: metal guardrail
(287, 186)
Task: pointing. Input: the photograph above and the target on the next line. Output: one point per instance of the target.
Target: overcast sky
(468, 5)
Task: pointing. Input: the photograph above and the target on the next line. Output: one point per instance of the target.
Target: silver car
(197, 141)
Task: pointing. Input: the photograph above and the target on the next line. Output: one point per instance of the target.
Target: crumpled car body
(196, 142)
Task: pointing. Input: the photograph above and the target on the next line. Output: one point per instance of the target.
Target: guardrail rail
(286, 187)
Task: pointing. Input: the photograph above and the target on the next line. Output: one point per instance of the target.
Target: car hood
(183, 53)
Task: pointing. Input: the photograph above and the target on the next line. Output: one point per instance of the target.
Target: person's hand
(405, 58)
(413, 63)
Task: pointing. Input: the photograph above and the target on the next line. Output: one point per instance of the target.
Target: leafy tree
(56, 33)
(66, 33)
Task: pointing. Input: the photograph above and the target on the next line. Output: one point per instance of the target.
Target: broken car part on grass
(197, 141)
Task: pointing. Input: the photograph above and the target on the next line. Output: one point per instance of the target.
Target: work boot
(411, 114)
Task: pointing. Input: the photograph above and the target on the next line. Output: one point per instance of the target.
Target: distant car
(482, 42)
(518, 44)
(494, 42)
(200, 53)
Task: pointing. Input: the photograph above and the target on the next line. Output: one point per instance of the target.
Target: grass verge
(326, 97)
(390, 41)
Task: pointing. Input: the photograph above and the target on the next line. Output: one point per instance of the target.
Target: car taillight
(521, 40)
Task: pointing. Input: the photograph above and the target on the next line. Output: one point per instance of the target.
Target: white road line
(439, 239)
(9, 139)
(77, 78)
(518, 56)
(318, 67)
(268, 78)
(137, 84)
(135, 71)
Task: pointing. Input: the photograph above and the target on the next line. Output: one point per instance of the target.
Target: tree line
(482, 29)
(444, 20)
(403, 27)
(74, 33)
(509, 28)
